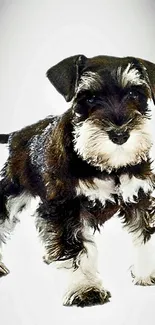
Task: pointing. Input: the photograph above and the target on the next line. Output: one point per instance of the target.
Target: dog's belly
(126, 189)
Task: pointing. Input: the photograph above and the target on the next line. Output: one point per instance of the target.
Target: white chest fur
(129, 187)
(100, 189)
(103, 190)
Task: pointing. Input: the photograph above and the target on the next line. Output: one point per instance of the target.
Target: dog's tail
(4, 138)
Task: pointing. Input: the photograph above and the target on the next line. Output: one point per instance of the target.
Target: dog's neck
(83, 170)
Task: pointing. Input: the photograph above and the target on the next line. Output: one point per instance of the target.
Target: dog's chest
(126, 188)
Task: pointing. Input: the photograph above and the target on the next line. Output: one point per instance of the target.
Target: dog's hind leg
(5, 229)
(12, 201)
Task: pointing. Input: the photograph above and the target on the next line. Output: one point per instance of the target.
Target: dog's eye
(91, 99)
(133, 94)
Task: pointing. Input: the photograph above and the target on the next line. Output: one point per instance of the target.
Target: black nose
(119, 137)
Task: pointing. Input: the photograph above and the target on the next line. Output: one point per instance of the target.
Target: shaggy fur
(86, 165)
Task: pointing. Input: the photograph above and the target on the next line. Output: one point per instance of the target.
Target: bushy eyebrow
(129, 76)
(89, 81)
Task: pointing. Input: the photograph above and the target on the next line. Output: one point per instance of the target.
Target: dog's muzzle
(118, 137)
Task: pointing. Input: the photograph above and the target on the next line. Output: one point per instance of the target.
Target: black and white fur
(86, 165)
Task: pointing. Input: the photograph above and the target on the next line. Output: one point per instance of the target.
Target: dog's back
(26, 148)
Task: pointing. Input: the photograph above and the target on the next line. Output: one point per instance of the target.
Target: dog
(85, 166)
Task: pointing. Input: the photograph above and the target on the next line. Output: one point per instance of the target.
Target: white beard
(94, 145)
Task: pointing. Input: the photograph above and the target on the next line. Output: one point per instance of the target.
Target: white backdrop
(34, 35)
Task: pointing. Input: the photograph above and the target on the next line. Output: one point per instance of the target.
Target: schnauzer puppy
(87, 165)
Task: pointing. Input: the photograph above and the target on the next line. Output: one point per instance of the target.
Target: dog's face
(112, 102)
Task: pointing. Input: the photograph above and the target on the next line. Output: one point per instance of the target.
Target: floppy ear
(150, 69)
(65, 74)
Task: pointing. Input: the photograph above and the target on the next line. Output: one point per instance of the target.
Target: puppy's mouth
(109, 147)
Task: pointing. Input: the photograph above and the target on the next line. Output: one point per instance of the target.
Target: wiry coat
(67, 162)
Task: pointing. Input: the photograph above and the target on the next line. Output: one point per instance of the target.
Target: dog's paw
(86, 297)
(3, 269)
(143, 281)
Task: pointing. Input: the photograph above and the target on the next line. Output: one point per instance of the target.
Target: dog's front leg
(67, 238)
(85, 285)
(139, 219)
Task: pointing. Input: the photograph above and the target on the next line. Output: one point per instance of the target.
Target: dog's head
(112, 101)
